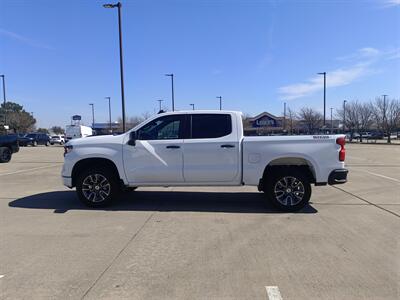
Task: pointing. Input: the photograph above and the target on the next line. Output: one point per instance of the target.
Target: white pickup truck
(202, 148)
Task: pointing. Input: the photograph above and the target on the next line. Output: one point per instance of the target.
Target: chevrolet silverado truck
(202, 148)
(8, 146)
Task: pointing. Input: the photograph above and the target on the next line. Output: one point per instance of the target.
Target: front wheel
(5, 154)
(289, 190)
(97, 187)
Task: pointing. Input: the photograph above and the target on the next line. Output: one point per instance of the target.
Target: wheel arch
(93, 162)
(302, 164)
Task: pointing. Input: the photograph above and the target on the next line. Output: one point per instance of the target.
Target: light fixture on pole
(324, 73)
(192, 105)
(109, 111)
(172, 90)
(220, 102)
(118, 5)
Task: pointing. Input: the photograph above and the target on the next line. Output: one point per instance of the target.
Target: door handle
(227, 146)
(173, 147)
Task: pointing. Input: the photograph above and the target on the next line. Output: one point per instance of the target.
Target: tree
(352, 121)
(291, 117)
(43, 130)
(365, 117)
(311, 118)
(387, 115)
(133, 121)
(57, 130)
(17, 118)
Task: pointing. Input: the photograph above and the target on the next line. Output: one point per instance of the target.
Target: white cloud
(391, 2)
(361, 65)
(23, 39)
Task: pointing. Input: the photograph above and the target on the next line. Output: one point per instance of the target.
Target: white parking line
(28, 170)
(383, 176)
(273, 293)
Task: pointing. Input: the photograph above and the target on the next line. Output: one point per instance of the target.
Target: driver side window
(163, 128)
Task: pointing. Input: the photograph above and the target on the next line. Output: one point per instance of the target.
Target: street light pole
(284, 115)
(220, 102)
(172, 90)
(118, 5)
(4, 98)
(331, 120)
(344, 115)
(109, 111)
(192, 105)
(159, 104)
(324, 73)
(91, 104)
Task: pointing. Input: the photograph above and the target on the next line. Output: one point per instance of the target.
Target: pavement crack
(369, 202)
(117, 256)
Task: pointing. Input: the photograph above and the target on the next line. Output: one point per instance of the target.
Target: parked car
(202, 148)
(8, 146)
(57, 139)
(376, 136)
(34, 139)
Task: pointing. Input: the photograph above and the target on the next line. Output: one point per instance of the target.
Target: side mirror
(132, 138)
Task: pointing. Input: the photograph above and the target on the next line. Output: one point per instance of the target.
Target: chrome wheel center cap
(288, 190)
(97, 188)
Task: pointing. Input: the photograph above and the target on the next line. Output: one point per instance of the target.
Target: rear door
(211, 153)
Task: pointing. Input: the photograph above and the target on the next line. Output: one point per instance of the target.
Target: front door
(157, 156)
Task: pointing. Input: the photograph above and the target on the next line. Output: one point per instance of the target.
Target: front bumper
(338, 176)
(67, 181)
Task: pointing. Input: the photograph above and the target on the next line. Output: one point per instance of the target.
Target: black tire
(5, 154)
(288, 189)
(52, 144)
(97, 187)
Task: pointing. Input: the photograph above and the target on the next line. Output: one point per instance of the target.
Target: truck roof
(203, 111)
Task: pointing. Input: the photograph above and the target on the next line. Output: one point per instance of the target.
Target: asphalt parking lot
(200, 243)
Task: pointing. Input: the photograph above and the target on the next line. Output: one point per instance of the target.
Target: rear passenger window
(210, 126)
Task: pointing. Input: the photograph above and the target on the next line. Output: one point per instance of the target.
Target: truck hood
(96, 140)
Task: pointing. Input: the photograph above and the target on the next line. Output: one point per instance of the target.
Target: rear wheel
(288, 189)
(5, 154)
(97, 187)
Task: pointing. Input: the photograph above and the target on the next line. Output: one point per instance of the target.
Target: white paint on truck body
(227, 160)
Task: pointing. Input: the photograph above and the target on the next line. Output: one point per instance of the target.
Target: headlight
(67, 149)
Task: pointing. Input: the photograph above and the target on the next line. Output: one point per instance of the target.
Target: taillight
(342, 153)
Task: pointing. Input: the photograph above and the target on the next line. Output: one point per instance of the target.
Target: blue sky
(59, 56)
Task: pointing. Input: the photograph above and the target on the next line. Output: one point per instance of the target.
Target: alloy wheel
(96, 188)
(289, 191)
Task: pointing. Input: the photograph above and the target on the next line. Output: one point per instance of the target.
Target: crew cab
(202, 148)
